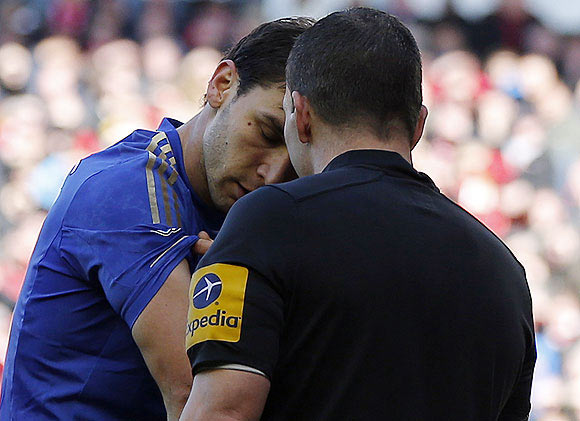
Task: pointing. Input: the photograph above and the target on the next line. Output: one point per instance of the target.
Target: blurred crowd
(501, 80)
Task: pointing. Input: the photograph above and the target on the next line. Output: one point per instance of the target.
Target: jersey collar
(386, 161)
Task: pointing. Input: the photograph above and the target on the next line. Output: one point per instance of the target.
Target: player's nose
(276, 168)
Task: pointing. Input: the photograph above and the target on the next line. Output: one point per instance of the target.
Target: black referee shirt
(365, 294)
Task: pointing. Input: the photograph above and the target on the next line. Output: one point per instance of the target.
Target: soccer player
(359, 292)
(98, 328)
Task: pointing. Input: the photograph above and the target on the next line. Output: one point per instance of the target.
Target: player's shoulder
(137, 175)
(140, 155)
(313, 186)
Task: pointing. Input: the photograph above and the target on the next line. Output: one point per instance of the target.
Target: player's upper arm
(158, 333)
(111, 237)
(227, 395)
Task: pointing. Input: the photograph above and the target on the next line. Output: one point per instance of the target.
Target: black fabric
(371, 296)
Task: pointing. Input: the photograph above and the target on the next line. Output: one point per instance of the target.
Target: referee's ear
(420, 126)
(303, 111)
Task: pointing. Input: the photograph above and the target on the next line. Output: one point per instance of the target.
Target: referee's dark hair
(260, 57)
(357, 66)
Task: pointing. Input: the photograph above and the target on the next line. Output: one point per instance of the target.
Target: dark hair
(260, 57)
(356, 66)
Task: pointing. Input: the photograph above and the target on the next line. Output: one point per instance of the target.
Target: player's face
(296, 149)
(243, 146)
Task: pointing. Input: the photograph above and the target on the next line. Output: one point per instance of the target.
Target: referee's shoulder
(280, 193)
(305, 188)
(268, 209)
(267, 197)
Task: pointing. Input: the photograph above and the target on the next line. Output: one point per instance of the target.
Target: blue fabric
(125, 218)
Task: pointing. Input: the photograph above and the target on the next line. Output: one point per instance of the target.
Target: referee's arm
(226, 395)
(250, 256)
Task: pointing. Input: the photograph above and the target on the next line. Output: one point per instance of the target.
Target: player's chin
(228, 201)
(223, 200)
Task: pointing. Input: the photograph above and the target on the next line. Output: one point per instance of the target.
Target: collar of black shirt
(387, 161)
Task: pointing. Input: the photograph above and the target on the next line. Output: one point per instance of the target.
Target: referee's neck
(331, 143)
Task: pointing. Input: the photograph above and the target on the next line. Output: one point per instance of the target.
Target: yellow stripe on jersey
(166, 149)
(176, 206)
(155, 141)
(216, 304)
(173, 178)
(167, 206)
(151, 185)
(151, 188)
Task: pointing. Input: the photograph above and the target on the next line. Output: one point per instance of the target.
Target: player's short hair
(359, 66)
(260, 57)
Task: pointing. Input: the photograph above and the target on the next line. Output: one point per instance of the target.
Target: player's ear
(222, 84)
(303, 111)
(420, 126)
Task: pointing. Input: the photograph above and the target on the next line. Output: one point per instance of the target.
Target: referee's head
(354, 73)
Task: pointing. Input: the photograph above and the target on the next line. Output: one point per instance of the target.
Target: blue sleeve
(130, 265)
(111, 239)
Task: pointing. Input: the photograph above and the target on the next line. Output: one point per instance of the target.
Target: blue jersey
(125, 218)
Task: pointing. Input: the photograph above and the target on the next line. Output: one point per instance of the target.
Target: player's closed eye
(272, 129)
(271, 139)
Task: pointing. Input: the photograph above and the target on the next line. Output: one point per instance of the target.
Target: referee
(359, 292)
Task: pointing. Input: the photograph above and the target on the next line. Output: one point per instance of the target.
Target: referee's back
(403, 306)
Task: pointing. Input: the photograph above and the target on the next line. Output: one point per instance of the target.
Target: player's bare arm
(159, 334)
(226, 395)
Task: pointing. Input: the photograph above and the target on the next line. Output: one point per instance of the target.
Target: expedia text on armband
(220, 318)
(216, 307)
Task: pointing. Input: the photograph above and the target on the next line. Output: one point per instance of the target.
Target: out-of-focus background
(501, 80)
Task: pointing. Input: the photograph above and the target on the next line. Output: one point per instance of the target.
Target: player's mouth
(241, 191)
